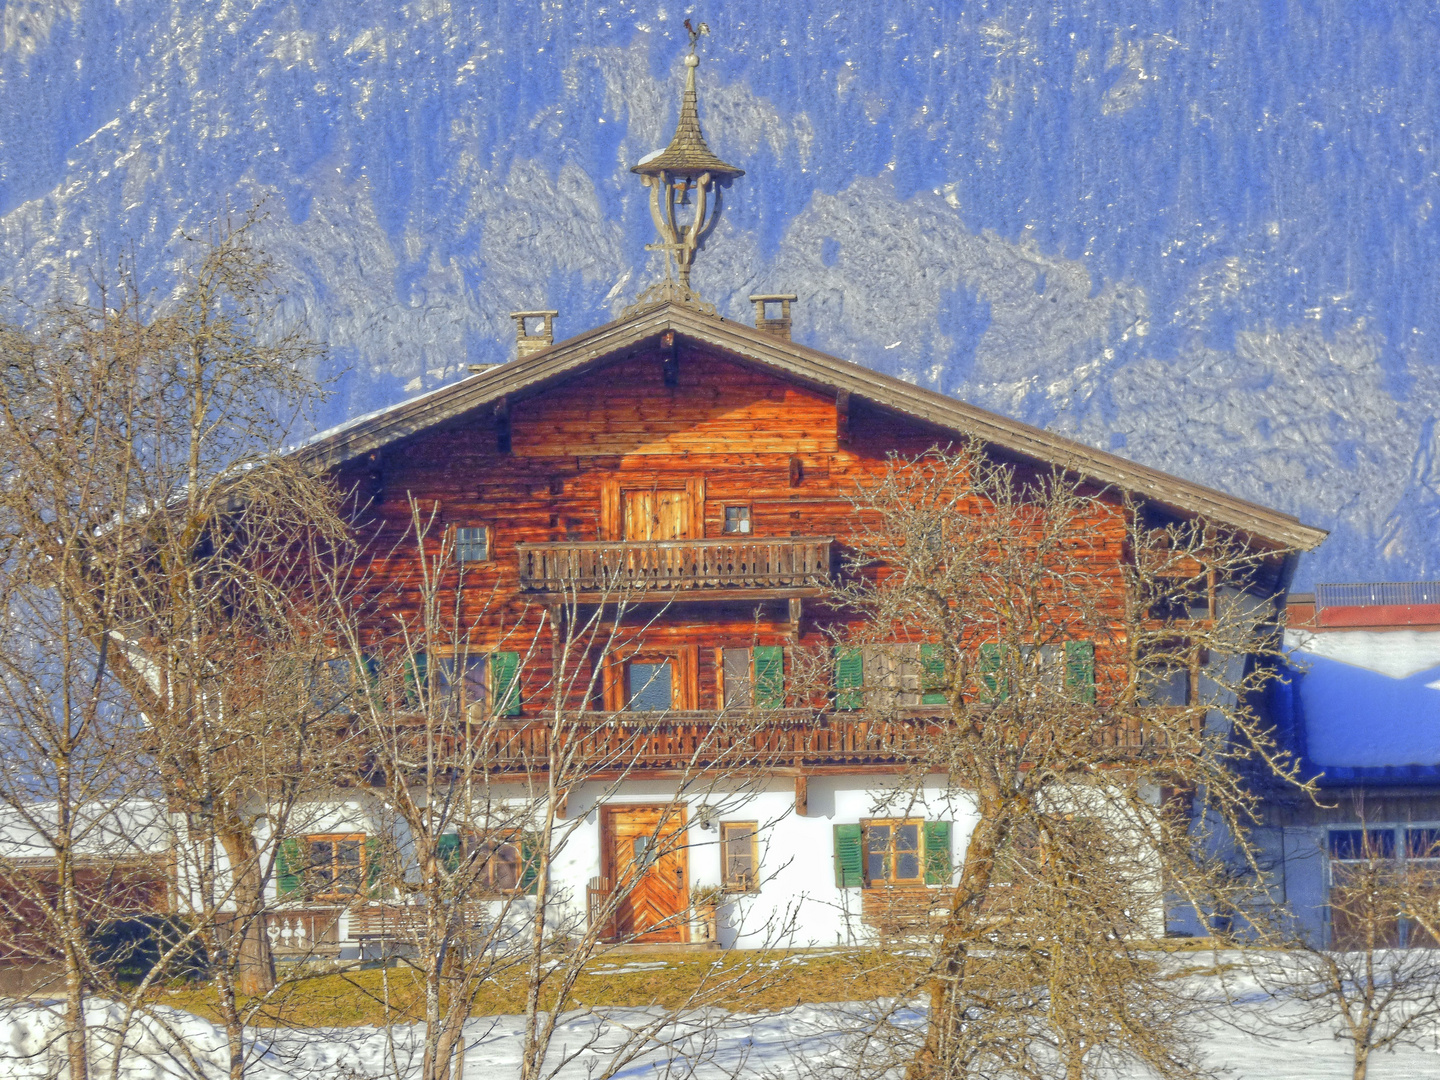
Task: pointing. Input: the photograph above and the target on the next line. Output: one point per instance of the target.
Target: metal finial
(687, 165)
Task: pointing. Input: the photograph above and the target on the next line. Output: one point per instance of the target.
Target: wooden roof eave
(821, 370)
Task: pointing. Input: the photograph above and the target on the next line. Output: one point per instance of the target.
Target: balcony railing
(788, 738)
(792, 564)
(1377, 593)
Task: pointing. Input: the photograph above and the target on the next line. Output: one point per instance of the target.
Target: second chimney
(780, 327)
(528, 344)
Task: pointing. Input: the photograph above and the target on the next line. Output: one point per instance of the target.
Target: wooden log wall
(550, 468)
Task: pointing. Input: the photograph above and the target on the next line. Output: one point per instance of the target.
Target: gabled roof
(820, 370)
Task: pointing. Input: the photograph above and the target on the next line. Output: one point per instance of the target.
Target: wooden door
(646, 859)
(658, 514)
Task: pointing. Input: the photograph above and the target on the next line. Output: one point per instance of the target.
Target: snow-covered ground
(803, 1043)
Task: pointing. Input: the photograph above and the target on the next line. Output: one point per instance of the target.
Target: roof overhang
(563, 359)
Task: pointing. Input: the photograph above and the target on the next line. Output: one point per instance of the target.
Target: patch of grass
(734, 981)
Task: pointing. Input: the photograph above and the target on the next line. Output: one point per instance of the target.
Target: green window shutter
(288, 868)
(992, 668)
(367, 680)
(1080, 670)
(769, 676)
(505, 683)
(849, 678)
(529, 867)
(932, 675)
(937, 853)
(447, 850)
(372, 865)
(849, 856)
(416, 669)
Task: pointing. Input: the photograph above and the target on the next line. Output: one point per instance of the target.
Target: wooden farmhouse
(703, 467)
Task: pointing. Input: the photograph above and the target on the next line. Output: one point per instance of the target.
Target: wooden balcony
(803, 739)
(731, 569)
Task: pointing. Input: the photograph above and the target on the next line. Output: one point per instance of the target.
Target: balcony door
(638, 509)
(658, 514)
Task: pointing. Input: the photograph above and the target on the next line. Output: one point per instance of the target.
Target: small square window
(737, 519)
(472, 543)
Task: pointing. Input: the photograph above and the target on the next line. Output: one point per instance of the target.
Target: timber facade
(704, 470)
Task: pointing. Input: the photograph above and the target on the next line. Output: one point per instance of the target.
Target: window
(737, 519)
(649, 686)
(472, 543)
(753, 677)
(334, 865)
(739, 857)
(501, 859)
(499, 865)
(1361, 845)
(1423, 843)
(901, 851)
(464, 679)
(893, 852)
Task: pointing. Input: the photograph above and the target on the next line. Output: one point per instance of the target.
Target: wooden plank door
(658, 514)
(645, 855)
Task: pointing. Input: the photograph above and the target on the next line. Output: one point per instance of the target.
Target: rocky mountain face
(1204, 236)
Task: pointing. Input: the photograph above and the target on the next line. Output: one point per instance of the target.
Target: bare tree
(474, 750)
(1376, 981)
(1091, 667)
(146, 494)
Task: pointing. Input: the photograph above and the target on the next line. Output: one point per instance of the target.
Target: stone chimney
(528, 344)
(780, 327)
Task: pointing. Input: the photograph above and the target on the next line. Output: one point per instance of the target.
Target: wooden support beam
(842, 417)
(557, 617)
(797, 609)
(669, 357)
(802, 795)
(562, 803)
(502, 425)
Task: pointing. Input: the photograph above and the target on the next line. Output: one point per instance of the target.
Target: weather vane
(685, 166)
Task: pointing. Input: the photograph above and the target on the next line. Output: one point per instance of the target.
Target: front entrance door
(646, 859)
(657, 514)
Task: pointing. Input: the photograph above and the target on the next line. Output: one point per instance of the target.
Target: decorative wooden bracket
(802, 795)
(842, 418)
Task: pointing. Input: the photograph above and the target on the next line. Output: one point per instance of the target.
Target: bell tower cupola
(685, 176)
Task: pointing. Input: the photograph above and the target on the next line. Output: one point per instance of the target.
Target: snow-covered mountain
(1203, 235)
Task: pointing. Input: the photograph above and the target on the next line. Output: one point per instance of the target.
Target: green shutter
(769, 676)
(447, 850)
(1080, 670)
(372, 865)
(849, 678)
(937, 853)
(529, 867)
(849, 856)
(288, 868)
(367, 680)
(505, 683)
(416, 669)
(932, 675)
(992, 668)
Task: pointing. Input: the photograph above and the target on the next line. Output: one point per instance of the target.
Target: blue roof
(1362, 705)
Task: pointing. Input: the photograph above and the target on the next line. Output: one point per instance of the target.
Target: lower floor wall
(774, 877)
(1307, 849)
